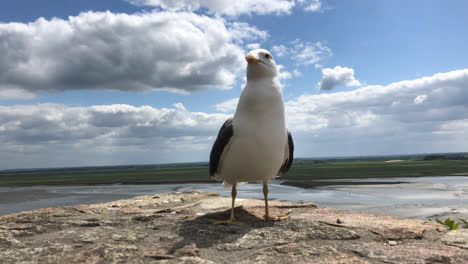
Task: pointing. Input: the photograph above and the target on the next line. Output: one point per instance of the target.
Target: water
(422, 197)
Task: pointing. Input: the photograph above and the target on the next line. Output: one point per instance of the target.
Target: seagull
(254, 145)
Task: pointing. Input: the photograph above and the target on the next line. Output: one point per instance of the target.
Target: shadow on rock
(204, 233)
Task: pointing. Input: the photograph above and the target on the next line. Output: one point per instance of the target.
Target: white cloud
(318, 66)
(456, 127)
(420, 99)
(101, 130)
(385, 119)
(180, 52)
(244, 82)
(311, 5)
(65, 124)
(15, 93)
(283, 74)
(332, 77)
(303, 53)
(242, 31)
(227, 8)
(309, 53)
(279, 50)
(297, 73)
(253, 46)
(228, 105)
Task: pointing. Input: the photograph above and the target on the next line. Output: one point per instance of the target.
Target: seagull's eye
(268, 56)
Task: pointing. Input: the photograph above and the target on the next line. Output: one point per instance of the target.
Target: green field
(136, 175)
(304, 172)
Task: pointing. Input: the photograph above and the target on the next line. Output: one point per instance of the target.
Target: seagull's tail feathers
(216, 177)
(229, 185)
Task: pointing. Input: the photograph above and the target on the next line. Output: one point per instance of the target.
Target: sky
(115, 82)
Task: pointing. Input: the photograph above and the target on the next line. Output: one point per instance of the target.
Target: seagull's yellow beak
(250, 58)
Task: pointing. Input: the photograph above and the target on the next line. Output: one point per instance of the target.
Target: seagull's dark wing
(288, 157)
(224, 136)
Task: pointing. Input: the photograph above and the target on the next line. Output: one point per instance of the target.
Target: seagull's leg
(265, 194)
(267, 215)
(232, 219)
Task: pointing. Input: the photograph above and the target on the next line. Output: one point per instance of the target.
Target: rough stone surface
(178, 228)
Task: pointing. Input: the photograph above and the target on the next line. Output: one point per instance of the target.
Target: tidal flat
(405, 186)
(409, 197)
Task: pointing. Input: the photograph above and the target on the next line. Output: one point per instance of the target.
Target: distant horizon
(195, 162)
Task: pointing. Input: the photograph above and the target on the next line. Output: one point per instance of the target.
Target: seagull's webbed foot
(276, 218)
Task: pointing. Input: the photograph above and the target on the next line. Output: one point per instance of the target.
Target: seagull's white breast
(256, 150)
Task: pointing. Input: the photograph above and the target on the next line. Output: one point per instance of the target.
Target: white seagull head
(260, 64)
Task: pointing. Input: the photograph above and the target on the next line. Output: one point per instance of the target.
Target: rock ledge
(177, 228)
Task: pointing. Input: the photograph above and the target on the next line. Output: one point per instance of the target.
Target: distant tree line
(456, 156)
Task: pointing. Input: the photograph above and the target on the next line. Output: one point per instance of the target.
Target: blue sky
(149, 81)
